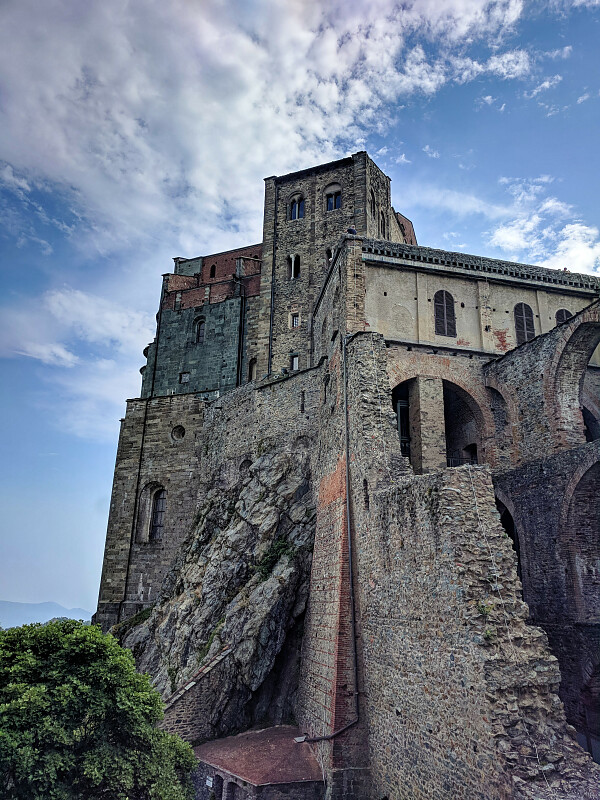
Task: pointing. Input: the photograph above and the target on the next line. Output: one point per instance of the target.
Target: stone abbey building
(354, 533)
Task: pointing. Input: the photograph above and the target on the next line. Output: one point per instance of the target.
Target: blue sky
(135, 131)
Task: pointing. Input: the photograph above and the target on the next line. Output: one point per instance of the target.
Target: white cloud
(583, 98)
(537, 231)
(52, 353)
(429, 151)
(548, 83)
(561, 52)
(401, 159)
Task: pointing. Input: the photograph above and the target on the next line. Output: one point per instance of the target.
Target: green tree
(77, 721)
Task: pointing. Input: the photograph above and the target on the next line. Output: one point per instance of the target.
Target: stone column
(427, 429)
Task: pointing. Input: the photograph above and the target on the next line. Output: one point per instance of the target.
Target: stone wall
(148, 455)
(554, 504)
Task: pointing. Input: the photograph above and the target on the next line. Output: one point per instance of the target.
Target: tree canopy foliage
(77, 720)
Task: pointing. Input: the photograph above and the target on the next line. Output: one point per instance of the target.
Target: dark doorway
(508, 524)
(592, 426)
(461, 427)
(401, 407)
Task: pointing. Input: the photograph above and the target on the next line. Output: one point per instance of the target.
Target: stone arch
(563, 382)
(144, 512)
(425, 434)
(579, 537)
(505, 504)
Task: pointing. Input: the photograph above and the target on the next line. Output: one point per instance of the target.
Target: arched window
(524, 327)
(382, 225)
(213, 270)
(293, 267)
(157, 517)
(252, 369)
(200, 331)
(333, 197)
(562, 315)
(297, 208)
(445, 318)
(372, 202)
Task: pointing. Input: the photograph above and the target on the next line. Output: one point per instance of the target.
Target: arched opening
(333, 197)
(510, 529)
(252, 370)
(591, 425)
(562, 315)
(588, 725)
(576, 386)
(400, 404)
(382, 225)
(200, 333)
(213, 270)
(461, 427)
(582, 539)
(218, 787)
(373, 205)
(297, 207)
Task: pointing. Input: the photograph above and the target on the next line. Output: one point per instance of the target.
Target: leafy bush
(77, 721)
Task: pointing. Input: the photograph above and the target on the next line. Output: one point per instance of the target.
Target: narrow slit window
(524, 326)
(373, 205)
(445, 317)
(252, 370)
(157, 519)
(213, 270)
(294, 362)
(200, 332)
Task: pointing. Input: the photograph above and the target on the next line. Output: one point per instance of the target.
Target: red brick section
(199, 289)
(263, 757)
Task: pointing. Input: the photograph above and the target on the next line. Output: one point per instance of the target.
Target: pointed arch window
(562, 315)
(157, 517)
(524, 326)
(445, 317)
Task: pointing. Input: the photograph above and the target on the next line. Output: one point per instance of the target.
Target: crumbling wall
(460, 692)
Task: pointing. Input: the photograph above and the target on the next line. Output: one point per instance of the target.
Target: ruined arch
(564, 379)
(434, 440)
(579, 532)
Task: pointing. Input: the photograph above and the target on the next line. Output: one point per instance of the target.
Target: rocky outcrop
(239, 585)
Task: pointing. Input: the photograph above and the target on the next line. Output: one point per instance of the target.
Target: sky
(135, 131)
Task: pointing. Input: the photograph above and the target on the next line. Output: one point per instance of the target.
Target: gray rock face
(240, 581)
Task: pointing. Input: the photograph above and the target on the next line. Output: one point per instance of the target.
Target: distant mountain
(15, 614)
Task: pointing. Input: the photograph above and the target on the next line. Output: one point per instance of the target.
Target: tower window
(294, 361)
(524, 327)
(295, 320)
(252, 369)
(200, 332)
(177, 303)
(184, 377)
(334, 200)
(382, 225)
(373, 206)
(157, 519)
(297, 208)
(213, 270)
(562, 315)
(293, 267)
(445, 318)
